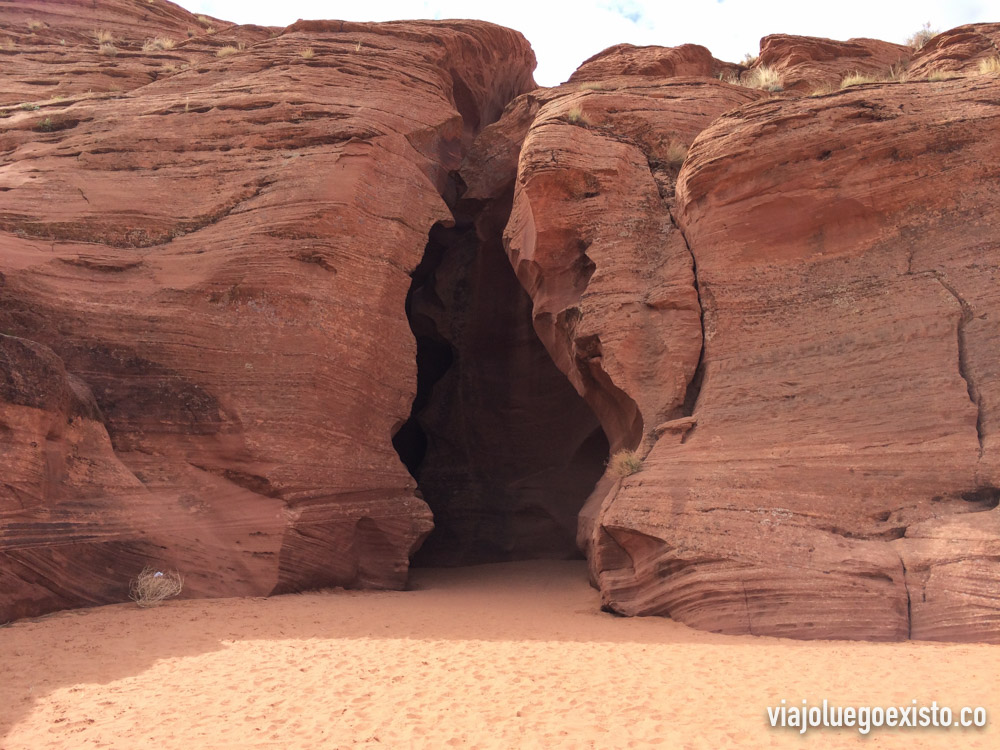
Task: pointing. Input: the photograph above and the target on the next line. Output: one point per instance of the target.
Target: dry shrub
(921, 37)
(943, 75)
(857, 78)
(103, 36)
(34, 25)
(151, 587)
(307, 54)
(108, 50)
(749, 60)
(765, 78)
(676, 153)
(204, 20)
(990, 66)
(227, 51)
(624, 463)
(577, 116)
(159, 43)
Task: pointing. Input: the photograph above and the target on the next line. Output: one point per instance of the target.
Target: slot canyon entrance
(504, 451)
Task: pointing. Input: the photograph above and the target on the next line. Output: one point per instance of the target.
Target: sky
(564, 34)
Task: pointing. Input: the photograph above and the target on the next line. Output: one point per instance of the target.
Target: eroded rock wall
(785, 305)
(799, 340)
(221, 256)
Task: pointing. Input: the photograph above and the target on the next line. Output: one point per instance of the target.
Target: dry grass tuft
(822, 91)
(7, 45)
(577, 116)
(307, 54)
(157, 44)
(592, 86)
(920, 38)
(624, 463)
(990, 66)
(103, 36)
(204, 20)
(857, 78)
(34, 25)
(676, 153)
(749, 60)
(108, 50)
(943, 75)
(151, 587)
(898, 73)
(765, 78)
(228, 50)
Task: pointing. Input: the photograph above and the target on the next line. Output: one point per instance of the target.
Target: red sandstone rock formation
(786, 306)
(835, 477)
(958, 51)
(651, 62)
(221, 255)
(842, 477)
(808, 64)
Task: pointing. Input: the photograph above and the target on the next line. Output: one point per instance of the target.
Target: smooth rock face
(221, 258)
(841, 480)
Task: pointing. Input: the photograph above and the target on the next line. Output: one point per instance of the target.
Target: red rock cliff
(786, 305)
(204, 269)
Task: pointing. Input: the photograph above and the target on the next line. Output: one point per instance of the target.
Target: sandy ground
(499, 656)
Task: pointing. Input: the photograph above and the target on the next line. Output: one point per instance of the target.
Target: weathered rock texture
(231, 284)
(842, 477)
(958, 51)
(806, 63)
(651, 62)
(203, 287)
(829, 468)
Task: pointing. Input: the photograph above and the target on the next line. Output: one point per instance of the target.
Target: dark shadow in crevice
(504, 451)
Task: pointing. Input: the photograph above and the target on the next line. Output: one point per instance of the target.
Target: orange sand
(498, 656)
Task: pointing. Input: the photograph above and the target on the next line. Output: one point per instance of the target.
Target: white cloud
(565, 34)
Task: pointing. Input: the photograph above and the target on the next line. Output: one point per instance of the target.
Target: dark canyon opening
(504, 450)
